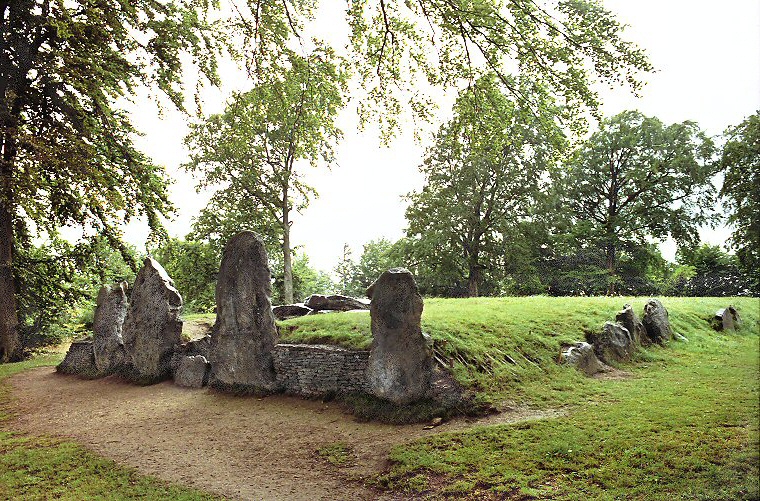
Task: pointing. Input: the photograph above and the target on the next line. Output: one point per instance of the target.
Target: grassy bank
(46, 468)
(683, 424)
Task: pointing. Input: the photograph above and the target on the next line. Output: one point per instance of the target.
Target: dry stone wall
(320, 370)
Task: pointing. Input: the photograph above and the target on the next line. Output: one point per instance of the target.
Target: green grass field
(682, 424)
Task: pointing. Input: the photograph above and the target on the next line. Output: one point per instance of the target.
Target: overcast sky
(707, 57)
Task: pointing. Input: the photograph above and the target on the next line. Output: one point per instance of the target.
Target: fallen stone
(628, 319)
(110, 312)
(679, 337)
(286, 311)
(336, 303)
(201, 346)
(613, 344)
(244, 333)
(79, 360)
(726, 319)
(192, 372)
(400, 360)
(582, 357)
(152, 327)
(656, 322)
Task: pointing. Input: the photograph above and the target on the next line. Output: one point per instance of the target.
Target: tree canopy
(249, 153)
(741, 190)
(637, 178)
(483, 175)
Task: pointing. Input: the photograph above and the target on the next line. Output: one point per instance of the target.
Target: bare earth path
(245, 448)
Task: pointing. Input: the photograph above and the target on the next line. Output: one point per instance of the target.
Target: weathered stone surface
(201, 346)
(582, 357)
(110, 312)
(336, 303)
(726, 319)
(285, 311)
(244, 333)
(628, 319)
(613, 344)
(400, 361)
(320, 370)
(152, 327)
(79, 360)
(192, 372)
(656, 322)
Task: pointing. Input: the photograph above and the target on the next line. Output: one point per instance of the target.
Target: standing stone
(656, 322)
(244, 333)
(726, 319)
(107, 344)
(153, 327)
(400, 360)
(583, 358)
(628, 319)
(613, 344)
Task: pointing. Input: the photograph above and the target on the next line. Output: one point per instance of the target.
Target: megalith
(613, 343)
(628, 319)
(152, 327)
(107, 343)
(656, 322)
(401, 360)
(582, 357)
(244, 333)
(726, 319)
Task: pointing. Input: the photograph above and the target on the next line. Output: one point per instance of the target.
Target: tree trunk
(611, 261)
(10, 343)
(474, 279)
(287, 265)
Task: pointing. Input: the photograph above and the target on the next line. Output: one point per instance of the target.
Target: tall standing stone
(628, 319)
(152, 327)
(656, 322)
(401, 359)
(107, 343)
(244, 333)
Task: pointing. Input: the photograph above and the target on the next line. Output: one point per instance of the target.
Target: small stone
(192, 372)
(726, 319)
(582, 357)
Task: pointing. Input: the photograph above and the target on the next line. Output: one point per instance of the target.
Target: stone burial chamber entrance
(139, 339)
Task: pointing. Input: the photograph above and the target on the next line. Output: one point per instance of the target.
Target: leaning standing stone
(110, 312)
(726, 319)
(400, 360)
(153, 327)
(583, 358)
(656, 322)
(628, 319)
(244, 333)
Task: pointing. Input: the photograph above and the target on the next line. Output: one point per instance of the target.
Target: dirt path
(244, 448)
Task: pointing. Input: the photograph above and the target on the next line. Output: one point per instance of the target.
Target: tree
(635, 179)
(250, 151)
(344, 271)
(67, 156)
(193, 266)
(482, 176)
(741, 190)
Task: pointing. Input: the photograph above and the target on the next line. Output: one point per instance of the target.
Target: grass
(337, 454)
(33, 467)
(684, 425)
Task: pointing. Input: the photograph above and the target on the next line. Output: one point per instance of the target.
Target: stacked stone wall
(320, 370)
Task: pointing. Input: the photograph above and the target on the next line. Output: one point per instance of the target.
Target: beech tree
(482, 176)
(67, 153)
(249, 153)
(637, 178)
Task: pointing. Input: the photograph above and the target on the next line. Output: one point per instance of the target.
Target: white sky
(707, 57)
